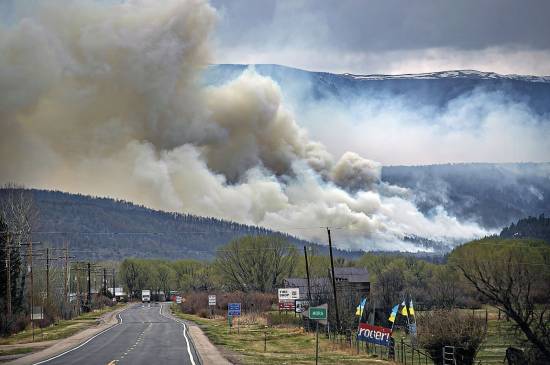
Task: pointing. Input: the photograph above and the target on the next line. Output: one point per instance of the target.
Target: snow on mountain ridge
(458, 74)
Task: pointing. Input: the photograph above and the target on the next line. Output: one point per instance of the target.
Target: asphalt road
(145, 334)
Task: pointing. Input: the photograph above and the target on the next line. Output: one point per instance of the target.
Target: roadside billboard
(286, 306)
(301, 305)
(374, 334)
(285, 294)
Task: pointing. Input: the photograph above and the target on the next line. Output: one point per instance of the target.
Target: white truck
(145, 296)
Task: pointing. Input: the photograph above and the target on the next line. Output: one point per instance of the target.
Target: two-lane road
(145, 334)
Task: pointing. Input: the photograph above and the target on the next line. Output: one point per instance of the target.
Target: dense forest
(529, 228)
(106, 229)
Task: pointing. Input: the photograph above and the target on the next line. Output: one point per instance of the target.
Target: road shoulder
(208, 353)
(107, 321)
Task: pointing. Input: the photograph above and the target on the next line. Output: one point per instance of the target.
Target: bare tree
(18, 211)
(388, 288)
(515, 277)
(16, 214)
(256, 263)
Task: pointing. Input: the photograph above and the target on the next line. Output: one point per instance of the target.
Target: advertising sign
(211, 300)
(286, 306)
(234, 309)
(288, 294)
(301, 305)
(374, 334)
(318, 313)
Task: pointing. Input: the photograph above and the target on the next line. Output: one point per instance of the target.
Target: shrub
(451, 327)
(282, 318)
(197, 302)
(16, 323)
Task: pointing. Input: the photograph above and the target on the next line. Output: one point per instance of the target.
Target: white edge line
(184, 334)
(188, 347)
(83, 343)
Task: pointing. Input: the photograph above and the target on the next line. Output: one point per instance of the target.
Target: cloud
(387, 36)
(114, 108)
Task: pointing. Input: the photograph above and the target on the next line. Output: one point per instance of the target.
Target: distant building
(348, 280)
(354, 279)
(320, 287)
(119, 293)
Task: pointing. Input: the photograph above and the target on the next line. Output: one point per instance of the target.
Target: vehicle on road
(145, 296)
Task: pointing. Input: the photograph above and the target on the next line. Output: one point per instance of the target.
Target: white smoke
(103, 98)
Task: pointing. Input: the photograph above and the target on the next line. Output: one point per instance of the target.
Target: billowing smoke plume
(104, 99)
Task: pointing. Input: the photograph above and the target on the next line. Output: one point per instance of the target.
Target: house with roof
(348, 280)
(353, 279)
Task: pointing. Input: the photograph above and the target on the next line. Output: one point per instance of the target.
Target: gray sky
(387, 36)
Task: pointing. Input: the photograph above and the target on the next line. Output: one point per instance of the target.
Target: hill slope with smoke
(423, 119)
(106, 229)
(495, 195)
(106, 99)
(437, 89)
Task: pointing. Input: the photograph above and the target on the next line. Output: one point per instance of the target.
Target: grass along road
(285, 345)
(290, 344)
(61, 329)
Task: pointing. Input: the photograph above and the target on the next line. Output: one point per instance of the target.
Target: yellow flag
(404, 310)
(411, 309)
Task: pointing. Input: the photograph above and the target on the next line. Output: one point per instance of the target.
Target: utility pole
(89, 299)
(333, 281)
(8, 275)
(114, 285)
(32, 286)
(307, 272)
(66, 281)
(78, 294)
(47, 273)
(105, 281)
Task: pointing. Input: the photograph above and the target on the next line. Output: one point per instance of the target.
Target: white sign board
(288, 294)
(37, 313)
(178, 299)
(211, 300)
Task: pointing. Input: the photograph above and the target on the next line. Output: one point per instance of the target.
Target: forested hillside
(494, 195)
(102, 228)
(531, 227)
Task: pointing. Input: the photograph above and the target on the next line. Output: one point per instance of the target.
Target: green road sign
(317, 313)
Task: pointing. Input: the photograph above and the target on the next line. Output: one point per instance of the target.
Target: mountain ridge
(102, 228)
(436, 89)
(454, 73)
